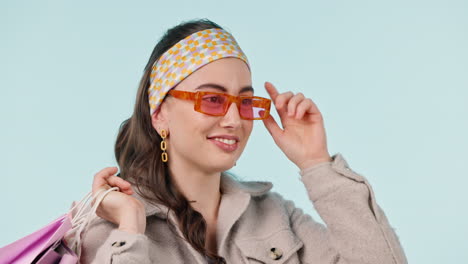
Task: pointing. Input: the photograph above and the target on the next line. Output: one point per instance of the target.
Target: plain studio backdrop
(390, 77)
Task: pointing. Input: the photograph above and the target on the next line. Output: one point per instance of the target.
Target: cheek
(190, 123)
(248, 126)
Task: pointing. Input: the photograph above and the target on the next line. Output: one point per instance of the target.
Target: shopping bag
(59, 241)
(29, 248)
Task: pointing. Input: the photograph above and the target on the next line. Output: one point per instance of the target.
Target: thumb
(273, 127)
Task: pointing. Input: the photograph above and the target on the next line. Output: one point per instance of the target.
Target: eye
(214, 99)
(247, 101)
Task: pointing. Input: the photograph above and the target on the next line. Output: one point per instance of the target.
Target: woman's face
(195, 139)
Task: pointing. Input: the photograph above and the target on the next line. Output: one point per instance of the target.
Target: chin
(220, 167)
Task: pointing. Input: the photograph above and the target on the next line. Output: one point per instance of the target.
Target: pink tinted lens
(251, 108)
(213, 104)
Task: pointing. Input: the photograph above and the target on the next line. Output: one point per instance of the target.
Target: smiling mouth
(225, 141)
(227, 145)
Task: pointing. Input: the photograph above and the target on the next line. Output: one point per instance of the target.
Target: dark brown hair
(139, 156)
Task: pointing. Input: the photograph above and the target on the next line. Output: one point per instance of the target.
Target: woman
(194, 113)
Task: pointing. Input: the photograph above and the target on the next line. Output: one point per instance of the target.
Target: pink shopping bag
(44, 246)
(60, 241)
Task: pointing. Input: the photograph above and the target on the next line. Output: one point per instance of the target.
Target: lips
(227, 143)
(230, 137)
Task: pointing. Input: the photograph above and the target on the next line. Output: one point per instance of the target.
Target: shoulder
(264, 204)
(262, 198)
(272, 205)
(230, 183)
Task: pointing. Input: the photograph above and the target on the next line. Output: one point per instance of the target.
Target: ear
(159, 119)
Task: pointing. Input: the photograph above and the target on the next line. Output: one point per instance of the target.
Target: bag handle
(82, 218)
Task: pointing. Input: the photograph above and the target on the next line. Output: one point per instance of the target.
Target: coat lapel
(236, 196)
(234, 193)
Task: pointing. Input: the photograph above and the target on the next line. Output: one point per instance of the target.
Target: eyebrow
(223, 89)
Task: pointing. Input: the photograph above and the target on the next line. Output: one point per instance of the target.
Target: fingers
(272, 92)
(273, 127)
(303, 107)
(294, 105)
(123, 185)
(293, 102)
(282, 99)
(100, 178)
(107, 177)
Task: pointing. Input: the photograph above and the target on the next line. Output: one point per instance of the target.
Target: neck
(201, 187)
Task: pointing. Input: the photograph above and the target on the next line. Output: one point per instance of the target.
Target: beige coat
(256, 225)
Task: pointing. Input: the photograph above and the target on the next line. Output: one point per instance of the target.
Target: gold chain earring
(163, 145)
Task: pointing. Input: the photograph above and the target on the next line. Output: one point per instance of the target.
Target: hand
(302, 138)
(119, 207)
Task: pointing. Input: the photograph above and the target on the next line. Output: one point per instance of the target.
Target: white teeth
(226, 141)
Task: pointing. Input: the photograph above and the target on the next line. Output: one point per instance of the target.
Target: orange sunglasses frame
(196, 96)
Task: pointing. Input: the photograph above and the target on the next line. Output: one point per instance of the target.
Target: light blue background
(390, 78)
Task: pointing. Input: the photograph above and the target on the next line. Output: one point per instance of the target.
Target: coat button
(118, 244)
(275, 253)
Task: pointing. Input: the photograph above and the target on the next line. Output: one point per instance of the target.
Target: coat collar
(235, 199)
(230, 187)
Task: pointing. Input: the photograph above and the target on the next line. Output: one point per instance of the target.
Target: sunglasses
(217, 104)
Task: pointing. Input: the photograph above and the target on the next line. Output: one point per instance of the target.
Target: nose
(232, 118)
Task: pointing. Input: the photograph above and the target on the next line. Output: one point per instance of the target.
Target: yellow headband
(188, 55)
